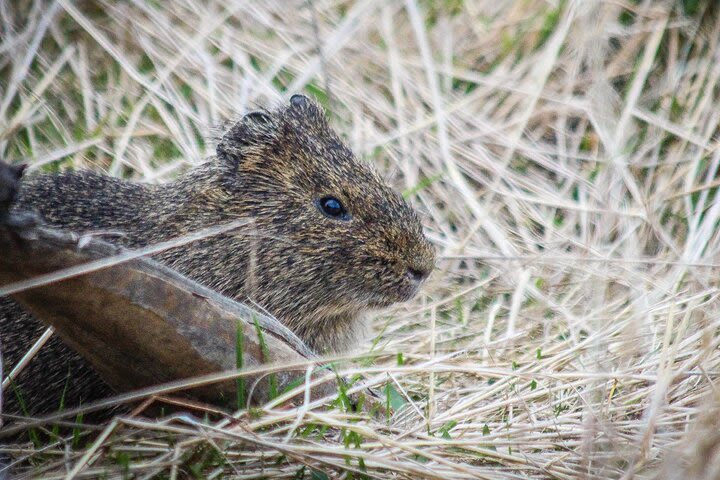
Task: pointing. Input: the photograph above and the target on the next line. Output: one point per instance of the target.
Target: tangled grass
(563, 155)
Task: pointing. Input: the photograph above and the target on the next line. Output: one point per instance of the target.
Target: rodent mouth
(406, 279)
(410, 291)
(390, 295)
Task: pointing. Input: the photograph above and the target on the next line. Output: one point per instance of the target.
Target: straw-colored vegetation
(564, 159)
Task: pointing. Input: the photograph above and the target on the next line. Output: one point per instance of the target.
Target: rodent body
(326, 238)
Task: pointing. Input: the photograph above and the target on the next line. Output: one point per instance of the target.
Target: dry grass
(563, 155)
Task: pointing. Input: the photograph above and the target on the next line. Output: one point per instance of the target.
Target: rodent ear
(253, 128)
(299, 101)
(307, 110)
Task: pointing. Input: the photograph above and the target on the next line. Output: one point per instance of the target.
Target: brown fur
(316, 274)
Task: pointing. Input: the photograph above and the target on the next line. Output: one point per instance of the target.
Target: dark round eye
(333, 208)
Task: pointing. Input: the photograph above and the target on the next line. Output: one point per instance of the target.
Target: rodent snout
(419, 262)
(417, 274)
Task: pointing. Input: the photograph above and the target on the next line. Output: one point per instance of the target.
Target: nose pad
(417, 275)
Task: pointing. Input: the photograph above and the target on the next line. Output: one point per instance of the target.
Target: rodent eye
(333, 208)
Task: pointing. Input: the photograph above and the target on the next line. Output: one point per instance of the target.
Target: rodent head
(333, 239)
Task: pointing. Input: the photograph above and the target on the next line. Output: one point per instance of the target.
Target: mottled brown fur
(316, 274)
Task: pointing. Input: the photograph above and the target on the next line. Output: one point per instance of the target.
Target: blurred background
(563, 156)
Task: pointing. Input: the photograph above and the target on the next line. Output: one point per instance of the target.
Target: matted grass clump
(563, 156)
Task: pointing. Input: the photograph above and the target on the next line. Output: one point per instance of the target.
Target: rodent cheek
(383, 279)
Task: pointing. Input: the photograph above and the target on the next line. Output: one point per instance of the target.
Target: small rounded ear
(253, 128)
(299, 101)
(306, 110)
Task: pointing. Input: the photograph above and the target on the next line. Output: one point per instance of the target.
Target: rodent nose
(417, 275)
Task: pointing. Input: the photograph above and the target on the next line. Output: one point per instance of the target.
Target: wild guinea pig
(326, 240)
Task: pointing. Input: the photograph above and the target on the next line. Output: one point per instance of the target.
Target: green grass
(272, 378)
(239, 364)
